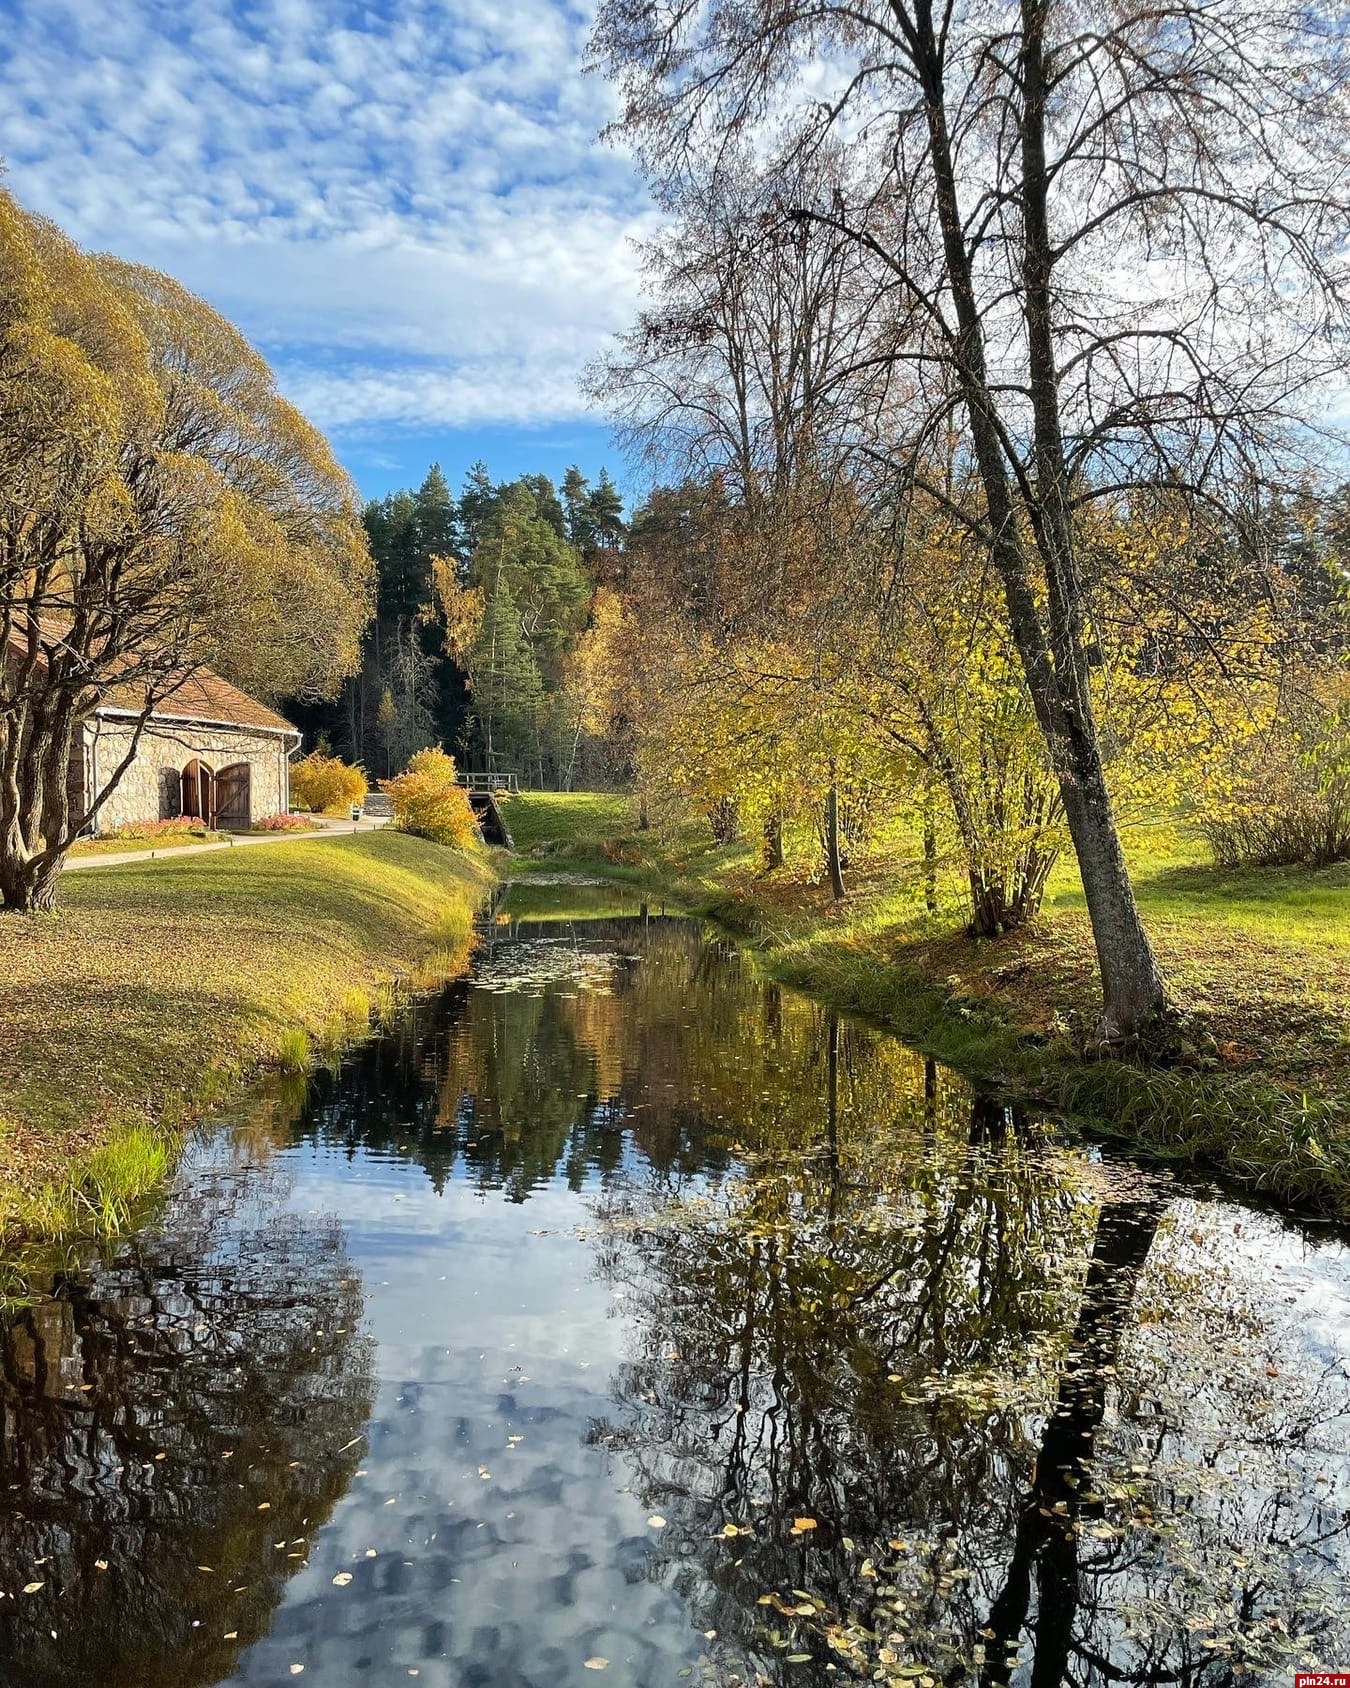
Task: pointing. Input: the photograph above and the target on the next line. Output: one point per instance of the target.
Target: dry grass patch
(154, 987)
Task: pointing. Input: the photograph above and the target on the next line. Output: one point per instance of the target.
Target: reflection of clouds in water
(508, 1579)
(179, 1420)
(1235, 1393)
(1194, 1526)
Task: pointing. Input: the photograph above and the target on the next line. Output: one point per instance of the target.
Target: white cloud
(402, 202)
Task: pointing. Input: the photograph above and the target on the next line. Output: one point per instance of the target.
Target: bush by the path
(326, 785)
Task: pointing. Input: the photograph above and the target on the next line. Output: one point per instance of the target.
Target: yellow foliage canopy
(161, 507)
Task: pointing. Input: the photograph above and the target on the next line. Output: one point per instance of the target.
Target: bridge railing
(491, 783)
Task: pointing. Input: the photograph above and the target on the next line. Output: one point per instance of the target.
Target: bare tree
(736, 367)
(1111, 238)
(754, 367)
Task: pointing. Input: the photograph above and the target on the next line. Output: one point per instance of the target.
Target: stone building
(210, 751)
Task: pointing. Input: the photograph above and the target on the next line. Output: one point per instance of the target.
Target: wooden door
(233, 791)
(199, 791)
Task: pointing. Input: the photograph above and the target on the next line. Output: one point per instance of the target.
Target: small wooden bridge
(484, 790)
(491, 783)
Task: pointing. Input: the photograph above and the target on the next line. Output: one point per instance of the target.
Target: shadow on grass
(1276, 885)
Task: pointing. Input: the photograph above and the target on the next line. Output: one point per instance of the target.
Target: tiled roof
(201, 696)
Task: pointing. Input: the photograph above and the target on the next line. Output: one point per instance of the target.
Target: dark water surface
(621, 1313)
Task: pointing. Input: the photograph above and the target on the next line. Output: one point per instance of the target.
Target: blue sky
(401, 202)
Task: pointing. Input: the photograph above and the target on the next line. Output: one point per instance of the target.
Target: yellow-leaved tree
(161, 507)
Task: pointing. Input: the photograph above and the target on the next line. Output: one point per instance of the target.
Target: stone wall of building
(151, 788)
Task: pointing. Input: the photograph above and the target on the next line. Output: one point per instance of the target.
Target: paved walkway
(238, 841)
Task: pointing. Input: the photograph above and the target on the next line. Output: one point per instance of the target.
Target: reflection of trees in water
(194, 1401)
(889, 1232)
(681, 1052)
(909, 1319)
(917, 1339)
(531, 1082)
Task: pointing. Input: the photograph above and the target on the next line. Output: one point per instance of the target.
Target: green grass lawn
(1258, 960)
(580, 821)
(153, 987)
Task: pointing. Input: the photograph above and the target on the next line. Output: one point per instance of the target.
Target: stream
(620, 1316)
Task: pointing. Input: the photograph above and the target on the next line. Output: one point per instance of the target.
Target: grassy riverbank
(156, 988)
(1259, 960)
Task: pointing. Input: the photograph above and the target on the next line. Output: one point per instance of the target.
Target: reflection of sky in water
(543, 1383)
(485, 1332)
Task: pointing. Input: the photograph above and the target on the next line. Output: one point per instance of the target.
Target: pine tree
(436, 525)
(403, 570)
(507, 690)
(546, 502)
(547, 581)
(477, 504)
(576, 493)
(605, 513)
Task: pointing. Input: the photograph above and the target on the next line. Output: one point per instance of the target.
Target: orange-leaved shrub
(427, 801)
(326, 785)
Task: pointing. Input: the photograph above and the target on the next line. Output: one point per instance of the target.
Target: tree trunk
(28, 886)
(832, 855)
(1003, 899)
(930, 891)
(773, 841)
(1054, 661)
(1132, 982)
(724, 819)
(988, 904)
